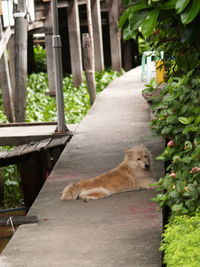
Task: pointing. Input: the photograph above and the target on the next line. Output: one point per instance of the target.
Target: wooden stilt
(75, 42)
(89, 67)
(115, 35)
(97, 30)
(21, 27)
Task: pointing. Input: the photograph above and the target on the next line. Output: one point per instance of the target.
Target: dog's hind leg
(94, 193)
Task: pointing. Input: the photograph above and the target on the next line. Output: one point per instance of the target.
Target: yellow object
(160, 71)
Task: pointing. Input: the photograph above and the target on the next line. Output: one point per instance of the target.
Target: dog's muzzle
(146, 166)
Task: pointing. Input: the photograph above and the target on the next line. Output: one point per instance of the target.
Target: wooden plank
(18, 220)
(3, 154)
(97, 30)
(58, 141)
(43, 144)
(29, 148)
(35, 25)
(115, 35)
(17, 151)
(75, 42)
(21, 27)
(24, 124)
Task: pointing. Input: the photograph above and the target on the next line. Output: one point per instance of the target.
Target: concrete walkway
(121, 231)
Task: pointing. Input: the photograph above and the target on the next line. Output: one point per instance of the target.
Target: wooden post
(90, 30)
(75, 42)
(20, 60)
(49, 50)
(5, 84)
(127, 55)
(89, 67)
(115, 34)
(97, 30)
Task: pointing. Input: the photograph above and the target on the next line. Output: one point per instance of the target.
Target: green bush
(12, 194)
(181, 241)
(177, 119)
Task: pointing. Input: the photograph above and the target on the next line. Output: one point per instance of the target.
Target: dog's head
(139, 156)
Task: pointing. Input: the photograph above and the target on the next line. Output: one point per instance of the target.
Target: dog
(133, 173)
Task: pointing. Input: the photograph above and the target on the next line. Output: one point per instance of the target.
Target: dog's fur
(133, 173)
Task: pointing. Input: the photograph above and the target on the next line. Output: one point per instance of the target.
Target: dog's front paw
(70, 192)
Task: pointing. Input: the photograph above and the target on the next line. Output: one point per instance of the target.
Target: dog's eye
(145, 156)
(138, 159)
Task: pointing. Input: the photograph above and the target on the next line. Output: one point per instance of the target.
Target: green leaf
(138, 19)
(181, 5)
(190, 12)
(150, 22)
(129, 12)
(190, 128)
(169, 5)
(184, 120)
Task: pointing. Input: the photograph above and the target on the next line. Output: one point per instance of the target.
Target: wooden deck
(20, 134)
(122, 230)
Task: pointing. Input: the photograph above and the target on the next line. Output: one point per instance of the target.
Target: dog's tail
(70, 192)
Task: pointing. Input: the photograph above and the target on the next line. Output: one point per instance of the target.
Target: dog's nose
(146, 166)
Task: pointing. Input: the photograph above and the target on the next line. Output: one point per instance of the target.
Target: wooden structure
(102, 20)
(35, 161)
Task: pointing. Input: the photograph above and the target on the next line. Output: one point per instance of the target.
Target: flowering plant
(177, 119)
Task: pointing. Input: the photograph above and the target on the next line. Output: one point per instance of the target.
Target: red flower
(195, 169)
(172, 175)
(170, 143)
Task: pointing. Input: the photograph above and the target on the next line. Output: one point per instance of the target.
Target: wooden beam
(97, 30)
(11, 56)
(5, 36)
(17, 220)
(21, 28)
(5, 84)
(115, 34)
(75, 42)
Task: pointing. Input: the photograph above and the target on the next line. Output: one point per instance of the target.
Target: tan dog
(133, 173)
